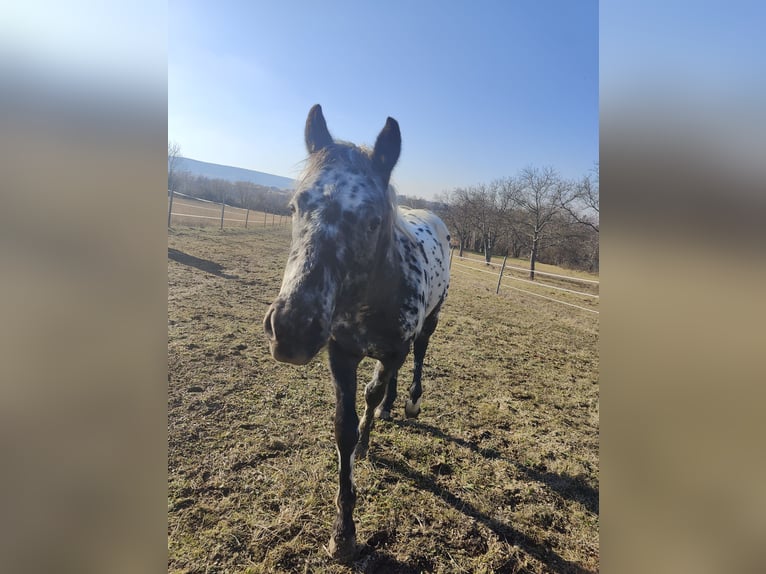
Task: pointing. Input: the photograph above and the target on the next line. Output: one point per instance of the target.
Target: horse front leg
(343, 366)
(385, 372)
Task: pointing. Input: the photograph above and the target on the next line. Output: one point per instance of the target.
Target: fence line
(474, 269)
(220, 209)
(217, 218)
(556, 300)
(553, 286)
(482, 261)
(531, 282)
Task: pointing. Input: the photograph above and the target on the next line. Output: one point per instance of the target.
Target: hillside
(229, 173)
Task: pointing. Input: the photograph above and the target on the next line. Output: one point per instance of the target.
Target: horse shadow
(571, 487)
(562, 484)
(202, 264)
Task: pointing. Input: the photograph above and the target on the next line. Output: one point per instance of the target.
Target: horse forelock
(343, 172)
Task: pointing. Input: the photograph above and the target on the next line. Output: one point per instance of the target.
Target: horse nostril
(268, 327)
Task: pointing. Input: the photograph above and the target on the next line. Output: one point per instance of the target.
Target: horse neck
(386, 271)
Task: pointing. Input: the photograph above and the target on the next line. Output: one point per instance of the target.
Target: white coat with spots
(363, 278)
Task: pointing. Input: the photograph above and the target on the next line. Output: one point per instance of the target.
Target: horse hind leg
(383, 411)
(412, 405)
(373, 395)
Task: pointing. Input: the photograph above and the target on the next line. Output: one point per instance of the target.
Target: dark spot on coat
(332, 213)
(423, 251)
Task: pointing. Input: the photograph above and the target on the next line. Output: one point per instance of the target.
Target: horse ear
(387, 149)
(316, 134)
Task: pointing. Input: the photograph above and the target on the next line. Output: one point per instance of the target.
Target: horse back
(429, 239)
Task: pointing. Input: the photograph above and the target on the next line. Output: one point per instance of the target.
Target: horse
(364, 278)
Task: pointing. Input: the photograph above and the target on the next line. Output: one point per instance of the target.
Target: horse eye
(374, 223)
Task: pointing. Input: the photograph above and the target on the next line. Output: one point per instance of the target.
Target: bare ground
(499, 473)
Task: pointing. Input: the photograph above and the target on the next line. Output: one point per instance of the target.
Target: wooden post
(170, 207)
(247, 215)
(451, 253)
(223, 206)
(264, 219)
(280, 221)
(273, 217)
(501, 275)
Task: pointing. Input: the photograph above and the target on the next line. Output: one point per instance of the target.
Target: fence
(585, 295)
(207, 212)
(210, 212)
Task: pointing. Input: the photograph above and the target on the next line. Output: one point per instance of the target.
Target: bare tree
(540, 195)
(174, 152)
(481, 207)
(584, 207)
(456, 214)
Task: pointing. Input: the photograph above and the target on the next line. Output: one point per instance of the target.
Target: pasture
(499, 474)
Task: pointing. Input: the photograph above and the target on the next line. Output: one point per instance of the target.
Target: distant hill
(229, 173)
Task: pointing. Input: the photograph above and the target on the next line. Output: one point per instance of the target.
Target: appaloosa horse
(363, 277)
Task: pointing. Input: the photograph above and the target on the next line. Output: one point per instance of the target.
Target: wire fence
(189, 210)
(585, 298)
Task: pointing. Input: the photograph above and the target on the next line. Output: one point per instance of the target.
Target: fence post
(501, 275)
(170, 207)
(247, 215)
(273, 217)
(451, 253)
(222, 208)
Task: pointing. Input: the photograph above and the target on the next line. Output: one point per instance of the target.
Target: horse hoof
(384, 415)
(343, 550)
(412, 410)
(360, 453)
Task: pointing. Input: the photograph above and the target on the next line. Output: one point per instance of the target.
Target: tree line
(244, 194)
(535, 214)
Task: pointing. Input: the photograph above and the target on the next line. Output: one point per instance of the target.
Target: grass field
(499, 474)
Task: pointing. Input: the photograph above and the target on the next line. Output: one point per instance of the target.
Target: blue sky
(480, 89)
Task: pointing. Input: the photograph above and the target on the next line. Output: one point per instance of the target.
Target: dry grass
(189, 212)
(499, 473)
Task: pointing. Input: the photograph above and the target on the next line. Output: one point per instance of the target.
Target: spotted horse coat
(364, 278)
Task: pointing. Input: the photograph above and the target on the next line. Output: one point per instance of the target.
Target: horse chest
(376, 333)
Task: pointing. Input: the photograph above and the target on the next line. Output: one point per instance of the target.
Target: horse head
(343, 212)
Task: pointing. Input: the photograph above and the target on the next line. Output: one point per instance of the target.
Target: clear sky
(480, 89)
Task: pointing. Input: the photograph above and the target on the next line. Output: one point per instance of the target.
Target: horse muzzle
(293, 337)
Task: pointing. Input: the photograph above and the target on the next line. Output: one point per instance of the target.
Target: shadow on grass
(571, 487)
(503, 531)
(379, 562)
(203, 264)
